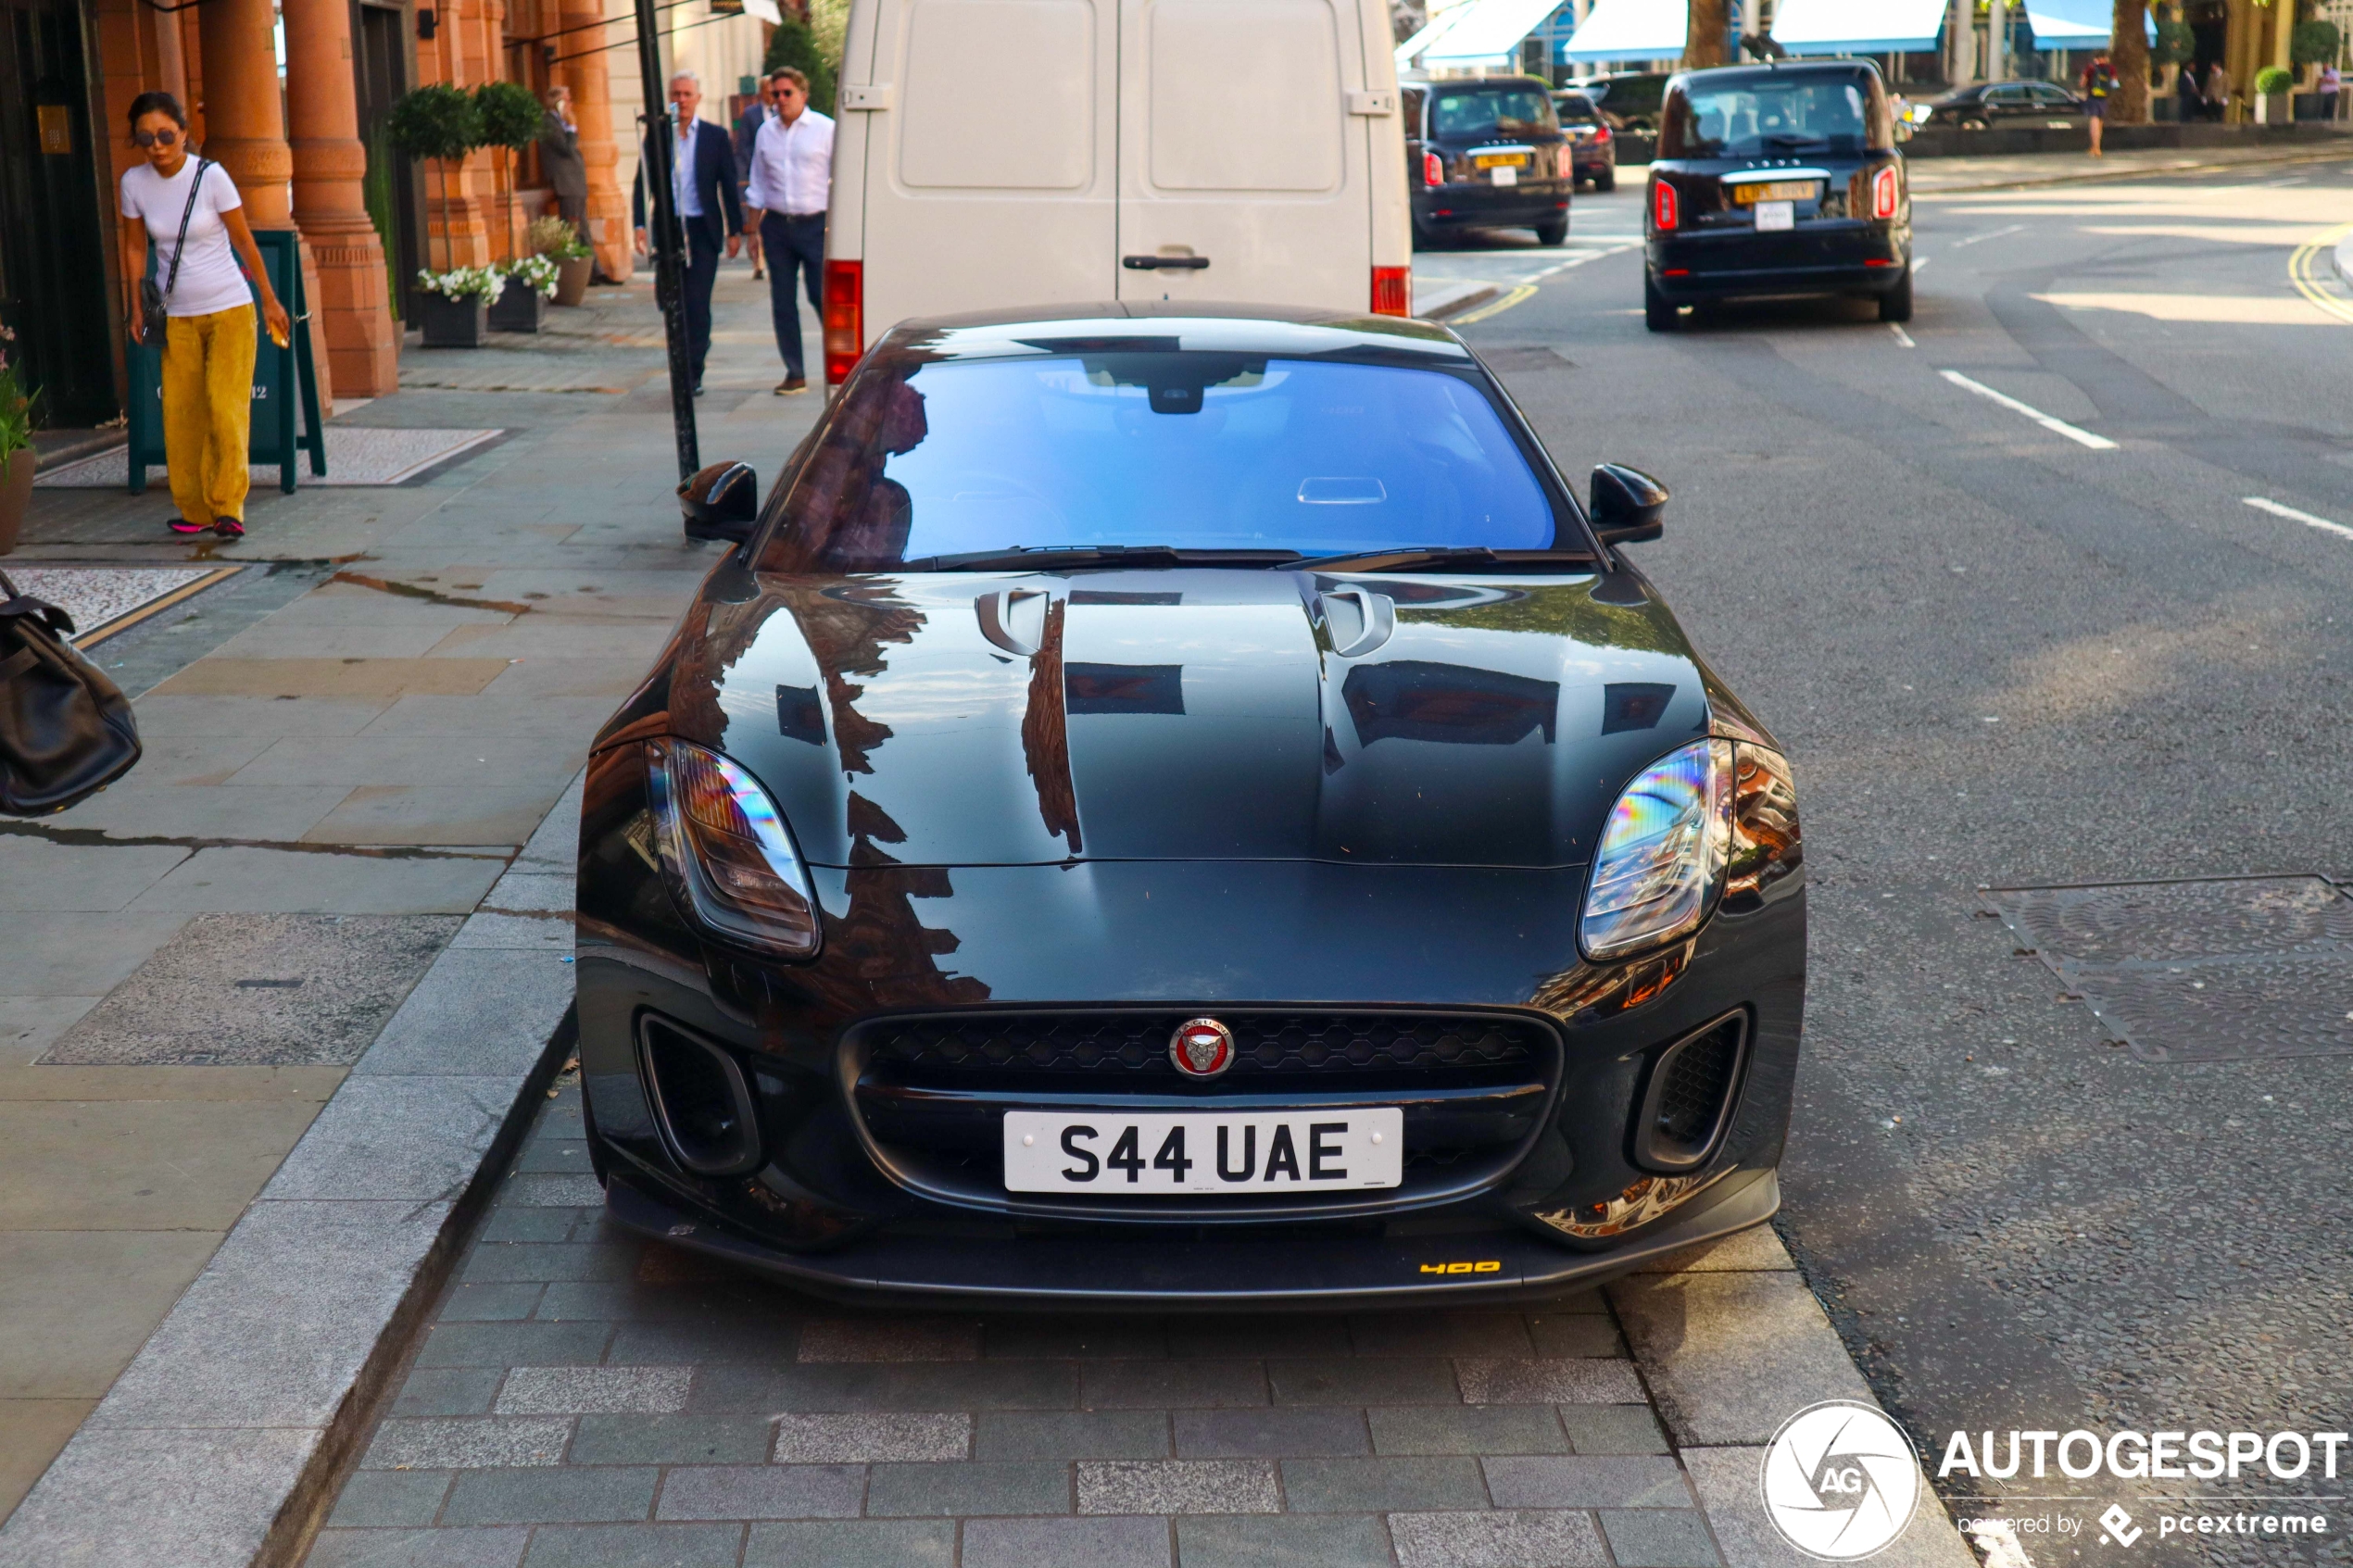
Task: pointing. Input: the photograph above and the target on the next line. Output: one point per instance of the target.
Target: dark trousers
(574, 211)
(702, 273)
(792, 244)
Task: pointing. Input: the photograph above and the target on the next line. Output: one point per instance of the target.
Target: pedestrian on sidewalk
(191, 208)
(2100, 81)
(758, 112)
(2218, 94)
(792, 164)
(559, 155)
(2190, 103)
(2330, 85)
(703, 185)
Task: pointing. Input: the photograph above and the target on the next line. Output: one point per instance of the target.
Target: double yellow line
(2304, 271)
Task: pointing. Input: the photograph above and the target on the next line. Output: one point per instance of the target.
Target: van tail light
(1393, 291)
(1666, 208)
(1883, 193)
(1433, 169)
(845, 319)
(1566, 166)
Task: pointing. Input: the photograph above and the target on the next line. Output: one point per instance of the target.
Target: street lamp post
(669, 265)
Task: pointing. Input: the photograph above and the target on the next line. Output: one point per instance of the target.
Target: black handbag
(66, 731)
(154, 330)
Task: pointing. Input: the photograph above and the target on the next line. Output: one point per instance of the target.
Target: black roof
(1774, 69)
(1168, 325)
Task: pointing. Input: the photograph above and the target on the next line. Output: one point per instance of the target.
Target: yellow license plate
(1780, 191)
(1500, 160)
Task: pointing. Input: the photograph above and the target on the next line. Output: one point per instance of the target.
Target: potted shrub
(575, 263)
(510, 117)
(17, 456)
(440, 124)
(522, 304)
(454, 307)
(2272, 85)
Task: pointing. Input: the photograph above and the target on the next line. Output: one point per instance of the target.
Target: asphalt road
(2000, 656)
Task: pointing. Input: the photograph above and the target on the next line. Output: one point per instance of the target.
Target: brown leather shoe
(791, 384)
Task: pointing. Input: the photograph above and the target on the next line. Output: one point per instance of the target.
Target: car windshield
(1576, 109)
(1762, 116)
(1508, 111)
(1188, 450)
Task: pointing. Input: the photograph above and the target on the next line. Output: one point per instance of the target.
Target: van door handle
(1155, 263)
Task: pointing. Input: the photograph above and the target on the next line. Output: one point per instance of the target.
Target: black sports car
(1184, 807)
(1777, 179)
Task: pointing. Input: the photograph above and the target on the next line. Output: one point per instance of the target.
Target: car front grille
(1266, 1045)
(1693, 1089)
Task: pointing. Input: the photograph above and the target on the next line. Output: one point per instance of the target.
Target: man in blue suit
(710, 207)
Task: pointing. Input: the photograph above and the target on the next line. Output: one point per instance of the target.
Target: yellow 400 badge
(1484, 1266)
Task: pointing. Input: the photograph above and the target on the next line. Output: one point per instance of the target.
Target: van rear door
(990, 176)
(1243, 176)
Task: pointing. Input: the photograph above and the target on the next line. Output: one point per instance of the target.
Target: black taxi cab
(1487, 152)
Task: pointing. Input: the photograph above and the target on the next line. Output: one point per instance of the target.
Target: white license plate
(1775, 215)
(1505, 175)
(1113, 1152)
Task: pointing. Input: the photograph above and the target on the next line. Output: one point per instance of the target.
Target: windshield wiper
(1474, 557)
(1056, 557)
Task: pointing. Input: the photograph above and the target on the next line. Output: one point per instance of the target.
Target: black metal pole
(668, 240)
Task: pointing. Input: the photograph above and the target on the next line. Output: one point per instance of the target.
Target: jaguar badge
(1202, 1049)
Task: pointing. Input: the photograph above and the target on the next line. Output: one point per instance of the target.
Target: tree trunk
(2129, 53)
(1705, 34)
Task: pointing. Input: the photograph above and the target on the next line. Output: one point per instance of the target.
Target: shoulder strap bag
(66, 731)
(154, 331)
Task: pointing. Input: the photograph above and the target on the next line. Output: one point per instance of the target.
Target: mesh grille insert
(1264, 1044)
(1687, 1100)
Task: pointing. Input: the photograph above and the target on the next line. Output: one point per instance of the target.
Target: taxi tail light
(1393, 291)
(1883, 193)
(1601, 134)
(1433, 169)
(845, 319)
(1666, 207)
(1565, 160)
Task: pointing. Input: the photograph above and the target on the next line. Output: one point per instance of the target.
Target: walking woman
(191, 208)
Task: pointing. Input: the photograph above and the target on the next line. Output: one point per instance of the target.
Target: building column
(589, 75)
(245, 128)
(351, 313)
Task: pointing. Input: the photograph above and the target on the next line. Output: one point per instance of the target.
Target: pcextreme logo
(1841, 1481)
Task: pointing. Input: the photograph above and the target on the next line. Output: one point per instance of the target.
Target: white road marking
(2080, 437)
(1902, 336)
(1920, 263)
(1997, 234)
(2262, 504)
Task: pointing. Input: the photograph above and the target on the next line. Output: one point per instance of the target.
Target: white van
(1003, 152)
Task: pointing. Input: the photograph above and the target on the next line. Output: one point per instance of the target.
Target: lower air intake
(1687, 1100)
(700, 1100)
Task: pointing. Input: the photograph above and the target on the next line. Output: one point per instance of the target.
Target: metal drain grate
(2225, 969)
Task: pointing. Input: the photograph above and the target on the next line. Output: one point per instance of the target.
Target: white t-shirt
(209, 277)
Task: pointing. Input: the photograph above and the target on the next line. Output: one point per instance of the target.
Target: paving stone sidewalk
(348, 744)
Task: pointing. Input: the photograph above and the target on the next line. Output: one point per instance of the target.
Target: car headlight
(726, 852)
(1659, 867)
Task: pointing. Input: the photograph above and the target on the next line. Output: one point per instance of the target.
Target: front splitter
(1189, 1274)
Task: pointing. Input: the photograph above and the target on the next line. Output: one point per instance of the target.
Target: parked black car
(1777, 179)
(1628, 102)
(1179, 807)
(1487, 152)
(1593, 146)
(1992, 105)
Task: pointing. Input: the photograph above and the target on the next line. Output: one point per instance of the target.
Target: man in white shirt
(792, 173)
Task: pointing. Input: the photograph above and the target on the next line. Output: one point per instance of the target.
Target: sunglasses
(156, 138)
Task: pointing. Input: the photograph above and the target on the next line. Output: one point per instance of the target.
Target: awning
(1631, 29)
(2074, 24)
(1486, 31)
(1440, 24)
(1858, 27)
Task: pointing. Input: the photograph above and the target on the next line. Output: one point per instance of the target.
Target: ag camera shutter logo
(1840, 1481)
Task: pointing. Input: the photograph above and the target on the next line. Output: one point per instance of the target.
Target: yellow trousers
(207, 412)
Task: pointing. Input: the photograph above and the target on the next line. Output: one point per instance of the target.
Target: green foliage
(439, 121)
(510, 115)
(554, 238)
(2176, 44)
(793, 44)
(384, 211)
(2273, 79)
(2314, 43)
(15, 407)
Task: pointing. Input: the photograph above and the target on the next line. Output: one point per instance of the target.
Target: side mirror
(720, 502)
(1625, 505)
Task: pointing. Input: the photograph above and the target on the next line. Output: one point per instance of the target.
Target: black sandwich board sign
(282, 377)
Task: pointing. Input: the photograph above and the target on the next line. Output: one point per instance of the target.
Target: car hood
(1192, 715)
